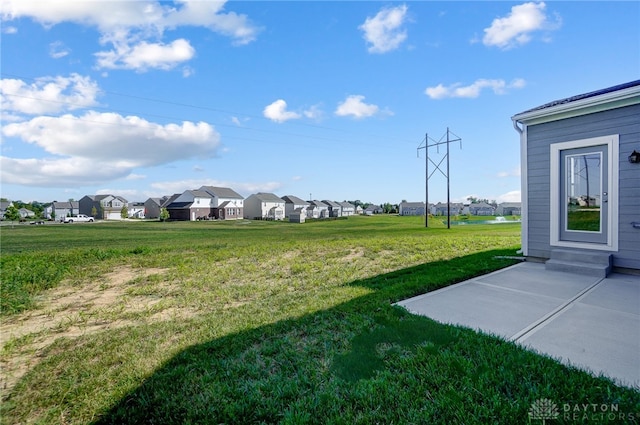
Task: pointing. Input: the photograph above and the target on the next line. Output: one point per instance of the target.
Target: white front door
(584, 193)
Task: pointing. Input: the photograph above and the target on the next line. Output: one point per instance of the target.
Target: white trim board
(612, 143)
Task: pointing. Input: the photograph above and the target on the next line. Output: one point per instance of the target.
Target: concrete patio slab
(589, 322)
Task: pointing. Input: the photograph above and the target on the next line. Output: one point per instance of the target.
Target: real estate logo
(543, 409)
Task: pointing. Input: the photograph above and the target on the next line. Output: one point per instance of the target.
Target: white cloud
(384, 32)
(144, 55)
(355, 107)
(48, 94)
(187, 71)
(277, 111)
(133, 176)
(55, 172)
(516, 28)
(9, 30)
(98, 147)
(58, 50)
(513, 196)
(135, 28)
(314, 113)
(473, 90)
(239, 121)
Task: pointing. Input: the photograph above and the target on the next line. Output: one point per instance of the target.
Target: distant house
(318, 209)
(136, 210)
(191, 205)
(359, 209)
(59, 210)
(482, 209)
(373, 209)
(509, 208)
(226, 204)
(264, 206)
(298, 216)
(3, 207)
(335, 209)
(441, 208)
(348, 208)
(25, 213)
(293, 204)
(312, 211)
(107, 207)
(411, 208)
(153, 206)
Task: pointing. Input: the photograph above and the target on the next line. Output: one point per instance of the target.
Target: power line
(216, 124)
(205, 108)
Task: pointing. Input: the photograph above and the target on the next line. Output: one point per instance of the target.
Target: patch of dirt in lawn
(353, 254)
(70, 312)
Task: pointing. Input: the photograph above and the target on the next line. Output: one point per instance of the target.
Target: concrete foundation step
(590, 263)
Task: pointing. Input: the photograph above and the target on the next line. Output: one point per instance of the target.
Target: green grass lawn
(262, 322)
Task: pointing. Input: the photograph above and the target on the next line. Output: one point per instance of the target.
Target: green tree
(12, 214)
(124, 212)
(387, 208)
(53, 214)
(94, 211)
(164, 214)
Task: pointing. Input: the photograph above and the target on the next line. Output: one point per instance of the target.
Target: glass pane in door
(583, 189)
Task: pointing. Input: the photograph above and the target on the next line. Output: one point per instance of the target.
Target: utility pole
(427, 142)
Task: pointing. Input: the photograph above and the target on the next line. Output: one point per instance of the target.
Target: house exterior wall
(256, 208)
(441, 209)
(348, 209)
(509, 209)
(136, 210)
(290, 208)
(411, 208)
(228, 212)
(152, 208)
(323, 209)
(225, 203)
(85, 204)
(297, 217)
(200, 207)
(335, 210)
(481, 209)
(312, 211)
(622, 121)
(180, 214)
(61, 209)
(227, 209)
(199, 212)
(252, 207)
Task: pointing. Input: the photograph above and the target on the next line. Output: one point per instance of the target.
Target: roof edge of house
(614, 97)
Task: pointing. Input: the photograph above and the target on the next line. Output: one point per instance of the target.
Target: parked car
(78, 218)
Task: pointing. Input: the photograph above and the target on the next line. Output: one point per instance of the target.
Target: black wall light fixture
(634, 158)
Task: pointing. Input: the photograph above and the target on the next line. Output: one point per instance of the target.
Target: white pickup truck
(79, 218)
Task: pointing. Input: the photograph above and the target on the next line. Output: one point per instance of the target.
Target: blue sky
(328, 100)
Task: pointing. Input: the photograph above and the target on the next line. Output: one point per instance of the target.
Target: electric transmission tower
(426, 144)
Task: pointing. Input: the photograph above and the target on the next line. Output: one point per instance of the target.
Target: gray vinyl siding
(622, 121)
